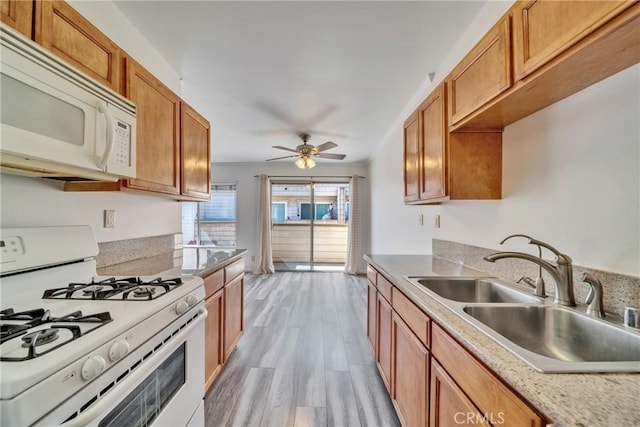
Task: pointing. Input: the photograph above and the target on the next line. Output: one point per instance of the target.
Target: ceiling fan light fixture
(305, 162)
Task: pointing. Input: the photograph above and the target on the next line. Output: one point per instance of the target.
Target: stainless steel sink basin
(555, 339)
(474, 290)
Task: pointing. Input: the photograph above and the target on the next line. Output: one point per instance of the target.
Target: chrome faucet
(562, 272)
(538, 283)
(595, 307)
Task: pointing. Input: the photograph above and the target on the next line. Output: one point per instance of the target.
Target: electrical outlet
(437, 221)
(109, 219)
(253, 257)
(421, 219)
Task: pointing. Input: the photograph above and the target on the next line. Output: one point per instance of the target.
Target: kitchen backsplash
(121, 251)
(619, 290)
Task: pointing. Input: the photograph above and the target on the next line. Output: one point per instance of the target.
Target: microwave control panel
(122, 143)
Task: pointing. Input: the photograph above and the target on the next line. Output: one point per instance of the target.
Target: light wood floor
(304, 358)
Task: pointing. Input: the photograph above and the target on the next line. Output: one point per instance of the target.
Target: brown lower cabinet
(433, 379)
(448, 403)
(224, 323)
(372, 301)
(410, 390)
(383, 338)
(213, 337)
(233, 314)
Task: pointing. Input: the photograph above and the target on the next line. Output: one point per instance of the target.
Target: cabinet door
(233, 314)
(59, 28)
(17, 14)
(546, 28)
(433, 145)
(449, 405)
(411, 158)
(158, 131)
(195, 154)
(482, 387)
(410, 375)
(372, 302)
(213, 338)
(384, 325)
(482, 75)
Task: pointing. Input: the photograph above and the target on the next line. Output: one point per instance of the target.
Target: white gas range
(77, 349)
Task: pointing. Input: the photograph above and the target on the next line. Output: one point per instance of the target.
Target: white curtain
(264, 257)
(354, 243)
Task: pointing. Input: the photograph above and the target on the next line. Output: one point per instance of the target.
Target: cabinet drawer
(483, 74)
(412, 316)
(384, 287)
(371, 275)
(233, 270)
(542, 29)
(486, 391)
(214, 282)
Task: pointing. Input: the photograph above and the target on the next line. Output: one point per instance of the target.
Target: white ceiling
(263, 71)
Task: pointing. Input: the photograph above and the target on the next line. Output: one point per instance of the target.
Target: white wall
(571, 177)
(242, 174)
(38, 202)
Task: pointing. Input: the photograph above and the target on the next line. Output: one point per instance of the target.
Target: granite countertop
(567, 399)
(188, 261)
(202, 261)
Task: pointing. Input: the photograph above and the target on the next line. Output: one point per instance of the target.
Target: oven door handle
(122, 388)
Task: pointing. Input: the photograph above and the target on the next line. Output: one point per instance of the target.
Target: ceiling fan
(305, 152)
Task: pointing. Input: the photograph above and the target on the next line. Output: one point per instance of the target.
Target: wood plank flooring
(303, 360)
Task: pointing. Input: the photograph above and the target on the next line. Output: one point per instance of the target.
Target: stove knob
(92, 367)
(191, 300)
(181, 308)
(118, 350)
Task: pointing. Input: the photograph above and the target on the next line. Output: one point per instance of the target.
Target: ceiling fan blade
(284, 148)
(279, 158)
(326, 146)
(331, 156)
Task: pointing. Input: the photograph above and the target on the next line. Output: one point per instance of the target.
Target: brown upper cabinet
(173, 142)
(62, 30)
(483, 74)
(194, 153)
(433, 145)
(559, 48)
(18, 14)
(544, 28)
(411, 159)
(158, 131)
(448, 166)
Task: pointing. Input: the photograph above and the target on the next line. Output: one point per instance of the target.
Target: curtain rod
(311, 177)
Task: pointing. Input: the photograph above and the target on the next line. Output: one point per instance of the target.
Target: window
(211, 223)
(321, 211)
(278, 212)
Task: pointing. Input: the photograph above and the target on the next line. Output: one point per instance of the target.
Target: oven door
(165, 388)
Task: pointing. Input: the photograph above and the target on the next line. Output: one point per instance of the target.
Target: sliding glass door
(309, 225)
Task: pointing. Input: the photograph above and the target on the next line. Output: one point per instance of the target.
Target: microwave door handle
(103, 109)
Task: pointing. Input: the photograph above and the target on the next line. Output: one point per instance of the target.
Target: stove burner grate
(131, 289)
(44, 336)
(32, 318)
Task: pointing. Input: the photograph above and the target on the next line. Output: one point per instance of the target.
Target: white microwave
(57, 122)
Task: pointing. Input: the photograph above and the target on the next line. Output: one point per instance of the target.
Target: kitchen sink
(475, 290)
(556, 339)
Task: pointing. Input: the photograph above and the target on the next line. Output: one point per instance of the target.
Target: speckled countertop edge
(567, 399)
(213, 265)
(171, 263)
